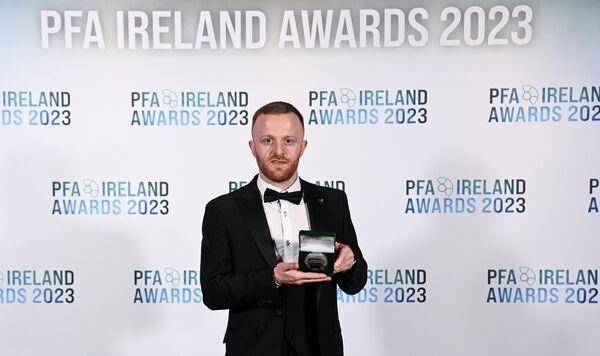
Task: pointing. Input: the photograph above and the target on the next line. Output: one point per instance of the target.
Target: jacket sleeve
(353, 280)
(221, 287)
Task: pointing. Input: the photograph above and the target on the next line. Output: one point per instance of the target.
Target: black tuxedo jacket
(237, 261)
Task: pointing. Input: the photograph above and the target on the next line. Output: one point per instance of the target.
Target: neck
(281, 185)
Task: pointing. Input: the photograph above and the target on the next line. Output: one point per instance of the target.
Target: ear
(252, 147)
(303, 147)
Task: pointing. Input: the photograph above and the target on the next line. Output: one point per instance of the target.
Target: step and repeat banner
(465, 133)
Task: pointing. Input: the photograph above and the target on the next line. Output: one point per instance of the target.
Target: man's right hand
(288, 273)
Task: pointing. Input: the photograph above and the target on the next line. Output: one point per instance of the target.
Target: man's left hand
(345, 259)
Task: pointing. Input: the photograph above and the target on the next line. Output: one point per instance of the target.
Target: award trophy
(317, 251)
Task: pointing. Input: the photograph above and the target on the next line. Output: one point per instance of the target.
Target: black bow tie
(293, 197)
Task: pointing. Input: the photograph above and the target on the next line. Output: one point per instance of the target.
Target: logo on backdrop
(330, 183)
(390, 286)
(525, 285)
(346, 106)
(594, 192)
(443, 195)
(36, 108)
(96, 197)
(37, 287)
(167, 286)
(529, 104)
(166, 107)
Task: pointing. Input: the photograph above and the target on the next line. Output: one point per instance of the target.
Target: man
(250, 250)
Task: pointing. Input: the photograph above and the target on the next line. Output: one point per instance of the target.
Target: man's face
(277, 144)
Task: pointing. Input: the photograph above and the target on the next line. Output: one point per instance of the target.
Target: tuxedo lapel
(251, 209)
(316, 205)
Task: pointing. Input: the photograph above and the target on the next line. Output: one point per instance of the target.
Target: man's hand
(288, 273)
(345, 259)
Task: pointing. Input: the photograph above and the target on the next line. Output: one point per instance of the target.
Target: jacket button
(278, 312)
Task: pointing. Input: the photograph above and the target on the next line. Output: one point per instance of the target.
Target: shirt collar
(262, 186)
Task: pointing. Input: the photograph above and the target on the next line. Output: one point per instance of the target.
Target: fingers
(282, 269)
(288, 273)
(345, 259)
(286, 266)
(308, 277)
(303, 281)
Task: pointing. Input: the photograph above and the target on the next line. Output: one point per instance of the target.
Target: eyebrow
(271, 136)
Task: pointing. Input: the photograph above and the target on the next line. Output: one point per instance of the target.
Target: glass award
(317, 251)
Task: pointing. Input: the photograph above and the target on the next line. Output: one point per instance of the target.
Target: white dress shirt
(285, 221)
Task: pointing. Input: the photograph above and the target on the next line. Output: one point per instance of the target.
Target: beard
(278, 174)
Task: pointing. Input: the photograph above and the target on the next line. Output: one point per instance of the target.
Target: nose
(279, 149)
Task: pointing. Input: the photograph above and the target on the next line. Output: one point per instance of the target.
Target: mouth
(278, 162)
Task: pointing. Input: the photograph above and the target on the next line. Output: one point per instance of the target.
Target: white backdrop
(515, 273)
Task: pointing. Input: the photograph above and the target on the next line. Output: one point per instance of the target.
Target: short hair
(277, 107)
